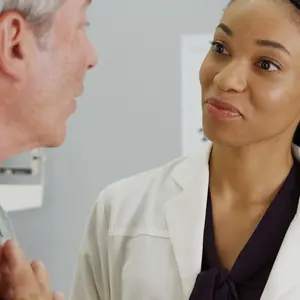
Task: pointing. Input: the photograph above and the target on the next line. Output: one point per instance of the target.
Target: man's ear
(13, 38)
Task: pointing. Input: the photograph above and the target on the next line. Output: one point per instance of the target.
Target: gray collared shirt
(6, 228)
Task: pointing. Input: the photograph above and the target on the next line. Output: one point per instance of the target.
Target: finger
(12, 253)
(42, 278)
(2, 257)
(58, 296)
(5, 287)
(21, 276)
(5, 284)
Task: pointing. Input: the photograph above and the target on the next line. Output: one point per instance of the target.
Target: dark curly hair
(296, 139)
(296, 3)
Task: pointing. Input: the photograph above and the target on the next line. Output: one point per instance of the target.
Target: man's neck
(15, 135)
(13, 142)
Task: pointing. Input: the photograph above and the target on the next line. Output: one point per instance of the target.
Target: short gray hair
(38, 13)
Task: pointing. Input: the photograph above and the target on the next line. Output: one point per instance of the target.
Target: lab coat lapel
(284, 275)
(185, 215)
(285, 272)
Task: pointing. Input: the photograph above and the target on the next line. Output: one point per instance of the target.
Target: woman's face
(254, 65)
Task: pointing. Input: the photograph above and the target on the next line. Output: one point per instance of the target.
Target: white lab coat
(144, 238)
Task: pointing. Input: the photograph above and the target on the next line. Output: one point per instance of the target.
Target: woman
(223, 224)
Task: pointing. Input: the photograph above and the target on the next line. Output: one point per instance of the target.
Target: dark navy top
(250, 272)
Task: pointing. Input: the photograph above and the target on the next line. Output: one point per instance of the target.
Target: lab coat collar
(185, 215)
(296, 152)
(285, 273)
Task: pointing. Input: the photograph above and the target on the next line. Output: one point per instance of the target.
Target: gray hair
(38, 13)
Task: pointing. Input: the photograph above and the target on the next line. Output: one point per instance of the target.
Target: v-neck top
(250, 272)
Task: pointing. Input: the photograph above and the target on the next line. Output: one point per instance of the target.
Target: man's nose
(92, 58)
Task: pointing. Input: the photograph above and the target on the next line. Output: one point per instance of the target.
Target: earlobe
(12, 45)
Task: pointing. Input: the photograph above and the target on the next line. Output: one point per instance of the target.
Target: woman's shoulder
(140, 199)
(159, 179)
(134, 188)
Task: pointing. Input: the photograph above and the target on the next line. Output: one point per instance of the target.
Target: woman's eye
(219, 48)
(268, 65)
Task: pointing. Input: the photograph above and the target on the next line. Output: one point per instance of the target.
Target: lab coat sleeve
(92, 272)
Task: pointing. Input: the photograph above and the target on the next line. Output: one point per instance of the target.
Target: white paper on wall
(194, 49)
(22, 181)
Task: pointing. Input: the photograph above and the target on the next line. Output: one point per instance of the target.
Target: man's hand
(22, 280)
(5, 291)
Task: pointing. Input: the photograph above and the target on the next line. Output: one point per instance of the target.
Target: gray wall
(128, 120)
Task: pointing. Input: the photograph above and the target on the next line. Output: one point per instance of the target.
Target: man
(44, 56)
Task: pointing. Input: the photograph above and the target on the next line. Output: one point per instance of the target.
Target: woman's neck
(253, 174)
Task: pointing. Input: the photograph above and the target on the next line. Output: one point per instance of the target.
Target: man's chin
(55, 139)
(54, 144)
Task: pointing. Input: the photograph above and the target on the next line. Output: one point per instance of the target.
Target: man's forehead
(77, 3)
(83, 3)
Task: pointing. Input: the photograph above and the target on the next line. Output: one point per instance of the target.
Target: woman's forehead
(264, 20)
(261, 10)
(286, 8)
